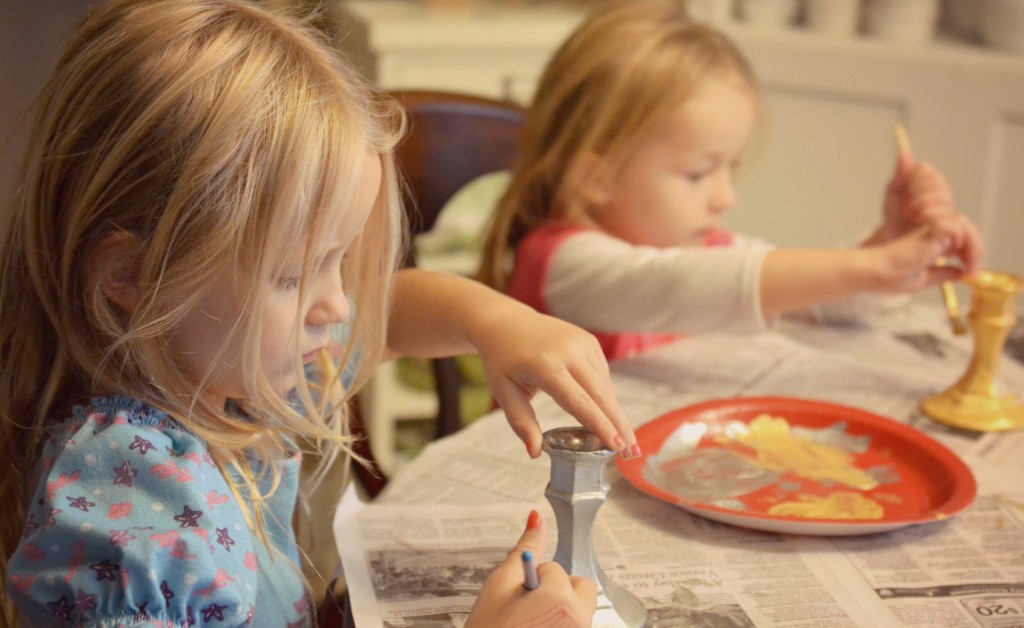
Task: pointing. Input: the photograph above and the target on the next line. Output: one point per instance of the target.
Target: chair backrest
(453, 138)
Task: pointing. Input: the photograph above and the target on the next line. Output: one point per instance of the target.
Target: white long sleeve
(604, 284)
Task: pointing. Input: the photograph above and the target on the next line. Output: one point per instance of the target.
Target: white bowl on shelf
(1001, 24)
(901, 21)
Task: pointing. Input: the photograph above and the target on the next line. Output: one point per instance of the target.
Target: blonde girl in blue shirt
(209, 193)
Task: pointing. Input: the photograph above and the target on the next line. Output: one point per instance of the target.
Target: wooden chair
(452, 139)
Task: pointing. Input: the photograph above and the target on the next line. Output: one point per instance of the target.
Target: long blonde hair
(605, 89)
(218, 135)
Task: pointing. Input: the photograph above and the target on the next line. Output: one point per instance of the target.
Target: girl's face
(202, 334)
(674, 189)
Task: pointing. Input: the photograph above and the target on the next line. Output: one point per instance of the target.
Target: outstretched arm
(906, 253)
(793, 279)
(437, 314)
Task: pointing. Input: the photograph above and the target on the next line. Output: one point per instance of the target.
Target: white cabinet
(826, 149)
(829, 147)
(489, 50)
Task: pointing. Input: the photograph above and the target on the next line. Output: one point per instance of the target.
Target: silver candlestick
(576, 491)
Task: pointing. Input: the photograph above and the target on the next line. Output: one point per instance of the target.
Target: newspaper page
(968, 571)
(422, 566)
(418, 555)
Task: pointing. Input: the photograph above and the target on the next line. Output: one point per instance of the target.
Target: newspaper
(418, 555)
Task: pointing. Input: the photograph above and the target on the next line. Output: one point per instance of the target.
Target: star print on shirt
(189, 518)
(142, 445)
(80, 503)
(223, 538)
(85, 602)
(61, 608)
(120, 538)
(105, 570)
(214, 611)
(125, 474)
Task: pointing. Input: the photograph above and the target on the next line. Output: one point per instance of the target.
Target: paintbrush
(956, 321)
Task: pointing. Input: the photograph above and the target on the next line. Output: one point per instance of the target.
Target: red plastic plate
(825, 469)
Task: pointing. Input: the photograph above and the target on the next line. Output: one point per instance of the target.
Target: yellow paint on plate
(778, 449)
(839, 505)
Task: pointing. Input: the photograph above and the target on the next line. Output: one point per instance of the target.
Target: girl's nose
(724, 195)
(330, 305)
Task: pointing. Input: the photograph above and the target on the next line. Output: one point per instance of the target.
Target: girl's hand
(524, 352)
(437, 314)
(917, 193)
(912, 262)
(559, 601)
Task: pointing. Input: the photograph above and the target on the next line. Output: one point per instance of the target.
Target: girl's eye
(288, 283)
(697, 177)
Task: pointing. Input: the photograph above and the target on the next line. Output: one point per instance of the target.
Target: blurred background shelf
(826, 149)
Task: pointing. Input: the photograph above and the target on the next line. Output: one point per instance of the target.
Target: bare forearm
(436, 314)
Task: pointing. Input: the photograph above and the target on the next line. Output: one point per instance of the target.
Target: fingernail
(634, 451)
(533, 521)
(619, 443)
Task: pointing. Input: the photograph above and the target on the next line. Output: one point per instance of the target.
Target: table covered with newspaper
(418, 555)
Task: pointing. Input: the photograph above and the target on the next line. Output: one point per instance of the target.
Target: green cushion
(475, 396)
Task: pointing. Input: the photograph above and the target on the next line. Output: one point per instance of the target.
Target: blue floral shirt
(133, 525)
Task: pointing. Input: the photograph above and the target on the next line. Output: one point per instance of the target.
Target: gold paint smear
(779, 450)
(840, 505)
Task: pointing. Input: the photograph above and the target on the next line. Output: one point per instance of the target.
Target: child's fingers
(969, 245)
(581, 392)
(901, 173)
(515, 403)
(928, 194)
(555, 581)
(586, 590)
(576, 399)
(953, 236)
(510, 575)
(597, 385)
(553, 577)
(938, 274)
(532, 539)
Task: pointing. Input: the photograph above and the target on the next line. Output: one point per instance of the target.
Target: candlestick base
(617, 607)
(973, 411)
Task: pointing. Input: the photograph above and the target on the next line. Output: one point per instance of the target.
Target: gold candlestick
(975, 401)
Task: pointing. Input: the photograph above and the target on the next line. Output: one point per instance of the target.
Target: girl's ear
(591, 178)
(115, 265)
